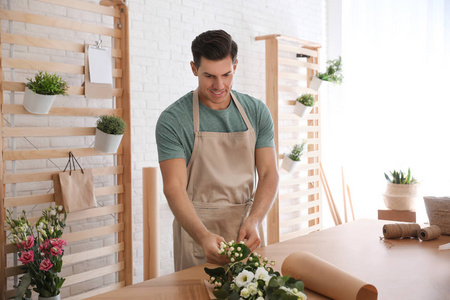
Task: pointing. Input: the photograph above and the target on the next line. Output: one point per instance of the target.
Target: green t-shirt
(175, 128)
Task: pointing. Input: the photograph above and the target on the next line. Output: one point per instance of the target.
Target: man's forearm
(265, 195)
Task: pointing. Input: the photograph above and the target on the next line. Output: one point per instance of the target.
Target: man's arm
(266, 166)
(174, 177)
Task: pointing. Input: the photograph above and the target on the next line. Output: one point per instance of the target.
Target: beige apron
(221, 179)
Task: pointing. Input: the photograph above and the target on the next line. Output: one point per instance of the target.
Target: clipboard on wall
(101, 85)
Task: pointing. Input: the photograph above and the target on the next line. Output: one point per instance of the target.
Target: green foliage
(111, 124)
(400, 177)
(333, 72)
(297, 151)
(47, 84)
(307, 100)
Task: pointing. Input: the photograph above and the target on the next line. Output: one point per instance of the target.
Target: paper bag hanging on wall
(97, 62)
(74, 190)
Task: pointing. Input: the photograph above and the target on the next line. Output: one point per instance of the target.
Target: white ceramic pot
(315, 83)
(108, 143)
(288, 164)
(36, 103)
(57, 297)
(401, 196)
(300, 109)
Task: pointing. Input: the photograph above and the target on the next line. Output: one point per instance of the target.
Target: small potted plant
(303, 104)
(292, 160)
(41, 91)
(109, 133)
(332, 74)
(401, 191)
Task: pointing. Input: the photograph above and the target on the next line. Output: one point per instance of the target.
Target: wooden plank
(91, 233)
(297, 49)
(47, 131)
(44, 176)
(299, 194)
(296, 129)
(298, 181)
(91, 293)
(299, 220)
(292, 116)
(292, 142)
(13, 271)
(287, 38)
(90, 254)
(292, 76)
(57, 23)
(86, 6)
(84, 276)
(296, 90)
(299, 207)
(54, 153)
(25, 40)
(18, 109)
(297, 63)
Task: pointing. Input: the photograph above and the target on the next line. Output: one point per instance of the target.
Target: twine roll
(394, 231)
(429, 233)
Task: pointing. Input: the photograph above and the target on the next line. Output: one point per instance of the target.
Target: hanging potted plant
(109, 133)
(401, 191)
(41, 91)
(332, 74)
(303, 104)
(292, 160)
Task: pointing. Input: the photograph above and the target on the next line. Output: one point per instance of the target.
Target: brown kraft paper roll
(429, 233)
(394, 231)
(326, 279)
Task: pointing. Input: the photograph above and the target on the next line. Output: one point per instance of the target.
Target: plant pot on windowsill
(401, 191)
(332, 74)
(292, 160)
(41, 91)
(304, 104)
(109, 133)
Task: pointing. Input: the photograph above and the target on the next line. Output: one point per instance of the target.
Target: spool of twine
(394, 231)
(429, 233)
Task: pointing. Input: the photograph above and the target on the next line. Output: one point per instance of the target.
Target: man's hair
(213, 45)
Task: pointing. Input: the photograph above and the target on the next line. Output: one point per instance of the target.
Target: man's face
(215, 79)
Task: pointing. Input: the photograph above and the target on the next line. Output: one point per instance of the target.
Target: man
(210, 142)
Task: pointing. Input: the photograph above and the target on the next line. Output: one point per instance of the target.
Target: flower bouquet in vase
(40, 250)
(253, 279)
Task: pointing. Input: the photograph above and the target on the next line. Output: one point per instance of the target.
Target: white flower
(60, 208)
(262, 274)
(245, 293)
(239, 248)
(52, 213)
(260, 298)
(300, 296)
(252, 288)
(236, 254)
(244, 278)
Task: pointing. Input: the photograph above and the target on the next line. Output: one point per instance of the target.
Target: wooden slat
(77, 278)
(91, 233)
(305, 155)
(58, 23)
(297, 63)
(299, 207)
(299, 220)
(54, 153)
(26, 64)
(296, 90)
(292, 142)
(90, 254)
(13, 271)
(91, 293)
(299, 194)
(292, 76)
(48, 43)
(47, 131)
(300, 232)
(292, 116)
(287, 38)
(297, 49)
(296, 129)
(86, 6)
(298, 181)
(44, 176)
(71, 91)
(18, 109)
(109, 190)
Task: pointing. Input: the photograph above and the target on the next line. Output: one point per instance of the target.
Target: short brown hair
(213, 45)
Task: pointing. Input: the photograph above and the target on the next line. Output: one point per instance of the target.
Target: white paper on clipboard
(100, 65)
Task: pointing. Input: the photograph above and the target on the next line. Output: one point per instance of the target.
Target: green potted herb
(401, 190)
(303, 104)
(292, 160)
(41, 91)
(332, 74)
(109, 133)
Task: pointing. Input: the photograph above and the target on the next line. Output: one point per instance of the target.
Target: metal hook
(98, 44)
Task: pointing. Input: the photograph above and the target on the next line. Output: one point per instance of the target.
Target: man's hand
(249, 234)
(210, 244)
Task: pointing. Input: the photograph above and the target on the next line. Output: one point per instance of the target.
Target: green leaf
(25, 282)
(220, 294)
(217, 272)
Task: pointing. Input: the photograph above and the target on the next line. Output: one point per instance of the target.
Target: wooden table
(399, 269)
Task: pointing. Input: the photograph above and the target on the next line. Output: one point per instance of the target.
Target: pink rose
(45, 265)
(27, 257)
(56, 251)
(29, 243)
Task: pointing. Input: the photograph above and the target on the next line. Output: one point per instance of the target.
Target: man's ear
(194, 69)
(235, 66)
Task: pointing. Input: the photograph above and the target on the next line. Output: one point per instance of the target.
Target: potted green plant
(401, 191)
(292, 160)
(332, 74)
(41, 91)
(303, 104)
(109, 133)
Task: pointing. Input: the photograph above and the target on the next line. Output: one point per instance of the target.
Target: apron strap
(242, 111)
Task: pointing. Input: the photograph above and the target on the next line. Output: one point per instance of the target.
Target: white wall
(161, 35)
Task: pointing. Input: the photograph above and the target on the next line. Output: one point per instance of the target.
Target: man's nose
(218, 84)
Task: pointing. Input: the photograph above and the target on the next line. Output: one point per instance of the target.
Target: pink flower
(29, 243)
(27, 257)
(56, 251)
(45, 265)
(54, 242)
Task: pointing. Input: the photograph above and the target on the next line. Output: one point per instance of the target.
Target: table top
(398, 268)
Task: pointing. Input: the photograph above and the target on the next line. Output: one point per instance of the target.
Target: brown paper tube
(429, 233)
(395, 231)
(326, 279)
